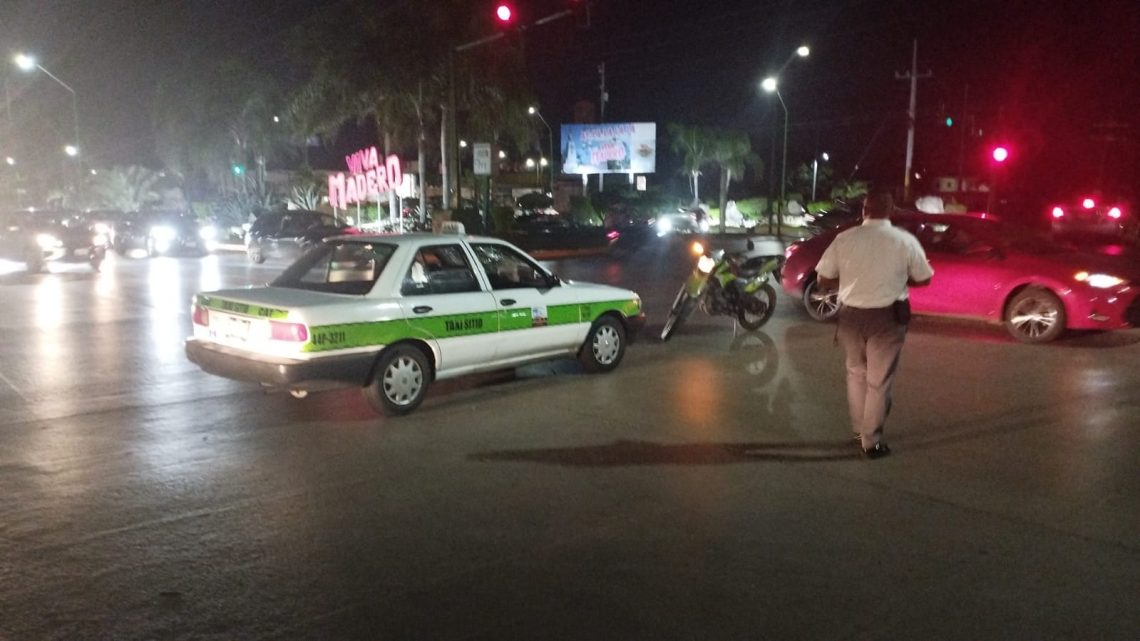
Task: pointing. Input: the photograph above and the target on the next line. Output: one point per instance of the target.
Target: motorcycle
(727, 283)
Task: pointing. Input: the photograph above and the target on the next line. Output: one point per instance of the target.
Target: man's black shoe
(878, 451)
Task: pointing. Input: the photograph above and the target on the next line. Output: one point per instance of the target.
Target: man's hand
(827, 285)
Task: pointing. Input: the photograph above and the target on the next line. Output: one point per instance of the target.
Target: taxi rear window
(338, 268)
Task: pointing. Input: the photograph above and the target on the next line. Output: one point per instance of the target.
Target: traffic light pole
(449, 144)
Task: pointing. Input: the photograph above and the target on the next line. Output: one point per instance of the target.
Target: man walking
(872, 265)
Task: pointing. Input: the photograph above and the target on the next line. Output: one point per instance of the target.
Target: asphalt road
(706, 489)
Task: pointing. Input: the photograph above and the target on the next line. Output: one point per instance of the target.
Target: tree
(694, 146)
(125, 188)
(731, 151)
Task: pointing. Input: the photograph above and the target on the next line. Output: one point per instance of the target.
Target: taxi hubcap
(606, 344)
(403, 380)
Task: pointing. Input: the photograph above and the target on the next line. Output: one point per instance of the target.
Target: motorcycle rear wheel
(756, 308)
(682, 307)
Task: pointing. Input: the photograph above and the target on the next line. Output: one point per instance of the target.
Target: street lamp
(549, 139)
(71, 150)
(769, 85)
(29, 63)
(815, 170)
(10, 160)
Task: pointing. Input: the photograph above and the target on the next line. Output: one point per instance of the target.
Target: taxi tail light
(1115, 213)
(1058, 212)
(291, 332)
(351, 231)
(200, 316)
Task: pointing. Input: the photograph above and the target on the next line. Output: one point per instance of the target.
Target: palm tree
(731, 151)
(125, 188)
(693, 144)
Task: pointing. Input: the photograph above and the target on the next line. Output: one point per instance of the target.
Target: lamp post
(550, 142)
(815, 171)
(771, 85)
(29, 63)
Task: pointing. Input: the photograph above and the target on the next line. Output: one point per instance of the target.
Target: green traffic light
(238, 170)
(949, 121)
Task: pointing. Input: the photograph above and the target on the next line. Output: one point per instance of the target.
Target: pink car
(989, 270)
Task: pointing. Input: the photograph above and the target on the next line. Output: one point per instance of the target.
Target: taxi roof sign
(452, 227)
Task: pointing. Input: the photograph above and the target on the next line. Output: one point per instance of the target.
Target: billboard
(613, 148)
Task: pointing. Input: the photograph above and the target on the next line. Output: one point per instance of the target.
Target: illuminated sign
(615, 148)
(367, 178)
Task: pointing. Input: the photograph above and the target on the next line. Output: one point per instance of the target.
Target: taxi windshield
(338, 268)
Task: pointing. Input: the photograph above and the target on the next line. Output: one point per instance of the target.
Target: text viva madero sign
(366, 180)
(613, 148)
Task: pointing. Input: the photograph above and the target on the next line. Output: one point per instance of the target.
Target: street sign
(482, 158)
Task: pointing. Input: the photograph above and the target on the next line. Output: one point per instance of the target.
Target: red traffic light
(1000, 154)
(504, 13)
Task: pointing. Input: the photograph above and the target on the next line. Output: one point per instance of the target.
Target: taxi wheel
(400, 382)
(255, 255)
(604, 346)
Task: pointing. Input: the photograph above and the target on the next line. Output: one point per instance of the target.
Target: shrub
(582, 211)
(471, 219)
(502, 218)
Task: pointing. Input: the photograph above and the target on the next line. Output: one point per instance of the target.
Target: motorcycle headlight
(664, 225)
(706, 264)
(99, 239)
(163, 233)
(1100, 281)
(47, 241)
(209, 232)
(101, 228)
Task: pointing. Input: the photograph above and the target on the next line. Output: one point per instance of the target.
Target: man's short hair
(879, 204)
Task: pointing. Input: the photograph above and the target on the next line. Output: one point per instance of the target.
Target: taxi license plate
(231, 328)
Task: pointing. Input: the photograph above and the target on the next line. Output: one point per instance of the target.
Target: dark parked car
(991, 270)
(288, 234)
(40, 238)
(547, 231)
(162, 233)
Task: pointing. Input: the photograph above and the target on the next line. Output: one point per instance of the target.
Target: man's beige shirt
(873, 262)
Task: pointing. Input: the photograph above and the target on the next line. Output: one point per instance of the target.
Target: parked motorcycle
(727, 283)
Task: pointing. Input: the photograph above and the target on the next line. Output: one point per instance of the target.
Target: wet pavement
(706, 489)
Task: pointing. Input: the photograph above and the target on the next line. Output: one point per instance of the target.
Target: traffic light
(949, 121)
(504, 14)
(1000, 154)
(238, 169)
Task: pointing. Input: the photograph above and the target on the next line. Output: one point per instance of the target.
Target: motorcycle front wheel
(682, 307)
(756, 308)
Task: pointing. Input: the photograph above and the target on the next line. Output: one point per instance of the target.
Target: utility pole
(602, 115)
(967, 124)
(913, 76)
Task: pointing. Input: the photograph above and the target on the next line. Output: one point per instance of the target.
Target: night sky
(1056, 80)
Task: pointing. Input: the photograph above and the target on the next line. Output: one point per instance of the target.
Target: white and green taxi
(390, 314)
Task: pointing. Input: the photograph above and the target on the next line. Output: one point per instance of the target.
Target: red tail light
(1058, 212)
(291, 332)
(351, 231)
(200, 316)
(1088, 203)
(1115, 213)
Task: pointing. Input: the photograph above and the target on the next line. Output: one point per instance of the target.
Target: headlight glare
(99, 240)
(208, 232)
(1100, 281)
(706, 264)
(163, 233)
(47, 241)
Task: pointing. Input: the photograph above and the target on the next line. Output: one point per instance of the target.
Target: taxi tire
(399, 382)
(256, 256)
(604, 346)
